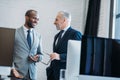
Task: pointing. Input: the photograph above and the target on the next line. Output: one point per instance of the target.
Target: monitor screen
(100, 58)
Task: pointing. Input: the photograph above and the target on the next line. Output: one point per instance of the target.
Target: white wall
(12, 16)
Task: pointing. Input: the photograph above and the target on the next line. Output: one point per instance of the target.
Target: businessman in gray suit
(27, 49)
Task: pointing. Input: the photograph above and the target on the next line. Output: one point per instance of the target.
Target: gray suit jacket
(22, 51)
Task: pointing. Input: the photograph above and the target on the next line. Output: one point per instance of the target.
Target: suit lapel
(63, 38)
(66, 34)
(22, 35)
(54, 44)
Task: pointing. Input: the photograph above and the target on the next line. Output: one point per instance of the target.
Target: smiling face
(59, 22)
(32, 19)
(62, 20)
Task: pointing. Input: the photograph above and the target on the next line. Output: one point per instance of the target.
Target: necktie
(29, 38)
(60, 35)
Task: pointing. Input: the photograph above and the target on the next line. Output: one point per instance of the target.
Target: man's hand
(16, 73)
(55, 56)
(34, 58)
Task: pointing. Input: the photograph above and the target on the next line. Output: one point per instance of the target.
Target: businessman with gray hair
(59, 55)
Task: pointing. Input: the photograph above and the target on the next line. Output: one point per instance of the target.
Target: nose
(36, 19)
(55, 22)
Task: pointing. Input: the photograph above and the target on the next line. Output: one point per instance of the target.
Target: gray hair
(65, 15)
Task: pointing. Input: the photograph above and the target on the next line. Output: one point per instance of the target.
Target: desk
(4, 72)
(86, 77)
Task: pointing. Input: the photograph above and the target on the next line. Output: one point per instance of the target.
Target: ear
(26, 17)
(64, 20)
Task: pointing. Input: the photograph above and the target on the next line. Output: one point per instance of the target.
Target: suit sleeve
(77, 36)
(39, 50)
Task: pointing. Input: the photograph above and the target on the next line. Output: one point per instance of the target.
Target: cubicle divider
(6, 50)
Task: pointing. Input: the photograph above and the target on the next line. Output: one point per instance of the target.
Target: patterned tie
(29, 38)
(60, 35)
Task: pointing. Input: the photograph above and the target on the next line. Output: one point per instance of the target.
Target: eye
(56, 19)
(36, 18)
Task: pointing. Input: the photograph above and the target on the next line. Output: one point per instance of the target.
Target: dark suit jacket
(61, 48)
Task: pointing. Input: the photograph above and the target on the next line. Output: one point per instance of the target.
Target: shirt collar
(66, 28)
(26, 29)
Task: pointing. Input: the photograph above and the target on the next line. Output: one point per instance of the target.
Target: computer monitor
(6, 50)
(73, 59)
(99, 59)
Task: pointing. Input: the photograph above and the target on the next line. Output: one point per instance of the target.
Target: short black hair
(29, 12)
